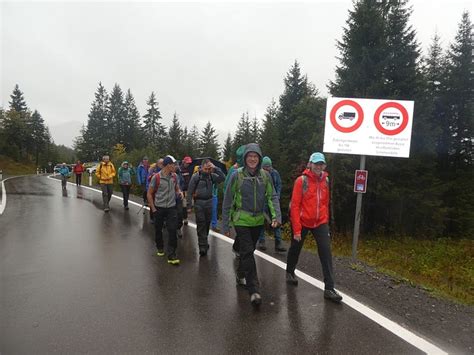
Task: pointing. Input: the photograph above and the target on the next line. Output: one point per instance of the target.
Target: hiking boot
(126, 208)
(261, 245)
(255, 299)
(106, 209)
(279, 247)
(291, 279)
(160, 252)
(332, 295)
(173, 260)
(240, 281)
(202, 251)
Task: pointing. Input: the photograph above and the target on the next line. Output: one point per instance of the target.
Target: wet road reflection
(76, 279)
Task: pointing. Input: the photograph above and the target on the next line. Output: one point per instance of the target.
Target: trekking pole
(141, 209)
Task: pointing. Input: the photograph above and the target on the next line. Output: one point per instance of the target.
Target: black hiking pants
(203, 212)
(168, 215)
(248, 237)
(126, 193)
(78, 179)
(323, 240)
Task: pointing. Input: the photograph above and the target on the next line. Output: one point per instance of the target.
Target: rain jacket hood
(255, 148)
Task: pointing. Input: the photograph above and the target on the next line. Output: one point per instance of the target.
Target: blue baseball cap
(317, 158)
(169, 159)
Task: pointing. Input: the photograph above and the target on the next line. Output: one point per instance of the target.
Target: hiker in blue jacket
(142, 177)
(65, 174)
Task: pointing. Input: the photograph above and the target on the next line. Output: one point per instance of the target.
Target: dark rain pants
(107, 192)
(248, 237)
(168, 215)
(323, 240)
(78, 179)
(126, 193)
(203, 212)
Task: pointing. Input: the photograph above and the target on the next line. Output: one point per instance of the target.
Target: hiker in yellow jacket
(105, 173)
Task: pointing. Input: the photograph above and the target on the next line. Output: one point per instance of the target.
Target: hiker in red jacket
(309, 212)
(78, 170)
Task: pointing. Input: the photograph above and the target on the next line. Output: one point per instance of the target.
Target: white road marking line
(395, 328)
(3, 202)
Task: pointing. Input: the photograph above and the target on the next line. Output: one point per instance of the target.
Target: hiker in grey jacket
(200, 190)
(162, 194)
(246, 194)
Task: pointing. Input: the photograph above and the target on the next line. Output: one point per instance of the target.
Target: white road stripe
(395, 328)
(3, 202)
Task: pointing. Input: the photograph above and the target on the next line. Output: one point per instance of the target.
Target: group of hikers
(252, 190)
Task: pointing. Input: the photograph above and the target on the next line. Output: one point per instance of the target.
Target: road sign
(349, 114)
(368, 127)
(360, 181)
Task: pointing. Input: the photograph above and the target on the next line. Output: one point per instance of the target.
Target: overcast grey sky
(206, 61)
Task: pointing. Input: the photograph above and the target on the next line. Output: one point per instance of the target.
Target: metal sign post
(355, 237)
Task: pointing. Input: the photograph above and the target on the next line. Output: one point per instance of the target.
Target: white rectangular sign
(368, 127)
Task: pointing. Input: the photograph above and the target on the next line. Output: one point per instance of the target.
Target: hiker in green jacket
(246, 194)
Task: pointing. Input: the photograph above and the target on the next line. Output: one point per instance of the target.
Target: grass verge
(444, 267)
(10, 167)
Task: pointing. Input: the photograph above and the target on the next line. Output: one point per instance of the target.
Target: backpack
(240, 180)
(197, 183)
(158, 180)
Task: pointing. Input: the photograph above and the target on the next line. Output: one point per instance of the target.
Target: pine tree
(154, 131)
(296, 88)
(460, 96)
(227, 149)
(17, 103)
(116, 117)
(243, 135)
(132, 123)
(192, 142)
(255, 130)
(175, 143)
(16, 126)
(401, 63)
(38, 135)
(363, 53)
(208, 144)
(434, 72)
(97, 135)
(460, 100)
(269, 137)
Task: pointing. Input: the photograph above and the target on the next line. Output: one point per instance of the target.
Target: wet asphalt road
(75, 279)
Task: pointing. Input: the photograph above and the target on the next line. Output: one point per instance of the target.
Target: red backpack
(158, 180)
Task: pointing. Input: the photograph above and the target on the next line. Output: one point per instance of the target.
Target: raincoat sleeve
(98, 171)
(218, 176)
(295, 209)
(227, 203)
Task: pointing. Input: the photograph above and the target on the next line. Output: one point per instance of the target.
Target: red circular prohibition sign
(394, 131)
(360, 116)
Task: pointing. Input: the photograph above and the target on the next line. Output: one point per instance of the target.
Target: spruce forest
(428, 195)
